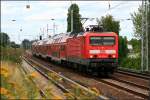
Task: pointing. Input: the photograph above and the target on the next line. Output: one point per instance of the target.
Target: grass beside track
(14, 84)
(11, 54)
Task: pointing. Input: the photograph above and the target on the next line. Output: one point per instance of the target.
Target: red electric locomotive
(91, 51)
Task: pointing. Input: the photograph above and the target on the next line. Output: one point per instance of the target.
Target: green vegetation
(133, 60)
(14, 45)
(10, 51)
(14, 83)
(4, 39)
(131, 63)
(137, 22)
(109, 24)
(11, 54)
(136, 45)
(26, 44)
(123, 50)
(77, 25)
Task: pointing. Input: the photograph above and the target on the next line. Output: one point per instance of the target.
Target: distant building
(130, 48)
(131, 53)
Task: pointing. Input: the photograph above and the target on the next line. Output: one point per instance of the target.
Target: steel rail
(135, 74)
(131, 83)
(123, 88)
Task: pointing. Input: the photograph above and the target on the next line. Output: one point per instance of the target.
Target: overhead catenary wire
(106, 12)
(114, 7)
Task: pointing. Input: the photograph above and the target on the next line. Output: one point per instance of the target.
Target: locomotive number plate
(102, 51)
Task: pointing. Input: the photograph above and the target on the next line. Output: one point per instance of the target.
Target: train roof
(39, 42)
(58, 38)
(49, 41)
(34, 43)
(62, 37)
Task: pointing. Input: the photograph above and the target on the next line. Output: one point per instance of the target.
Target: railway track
(126, 87)
(42, 93)
(135, 74)
(129, 86)
(67, 89)
(47, 77)
(131, 83)
(134, 83)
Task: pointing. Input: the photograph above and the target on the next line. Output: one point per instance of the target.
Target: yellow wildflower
(13, 84)
(58, 97)
(4, 91)
(4, 72)
(9, 96)
(34, 74)
(95, 90)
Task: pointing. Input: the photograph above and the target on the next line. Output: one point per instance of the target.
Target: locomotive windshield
(101, 40)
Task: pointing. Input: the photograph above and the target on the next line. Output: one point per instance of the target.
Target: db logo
(102, 51)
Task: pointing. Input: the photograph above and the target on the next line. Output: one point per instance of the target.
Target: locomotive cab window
(108, 40)
(101, 40)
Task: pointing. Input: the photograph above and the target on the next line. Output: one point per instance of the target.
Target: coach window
(62, 47)
(48, 48)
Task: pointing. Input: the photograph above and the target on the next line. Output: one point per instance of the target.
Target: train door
(62, 52)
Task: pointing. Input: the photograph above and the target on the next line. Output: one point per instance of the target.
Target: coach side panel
(75, 49)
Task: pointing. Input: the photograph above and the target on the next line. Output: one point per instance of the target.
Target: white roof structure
(39, 42)
(34, 43)
(49, 41)
(58, 38)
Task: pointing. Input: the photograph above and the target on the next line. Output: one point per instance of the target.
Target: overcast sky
(32, 20)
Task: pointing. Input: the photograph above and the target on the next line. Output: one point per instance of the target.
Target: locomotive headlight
(113, 56)
(91, 56)
(110, 51)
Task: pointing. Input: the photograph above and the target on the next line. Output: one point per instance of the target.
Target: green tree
(26, 44)
(77, 25)
(123, 50)
(109, 24)
(14, 45)
(137, 22)
(136, 45)
(4, 39)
